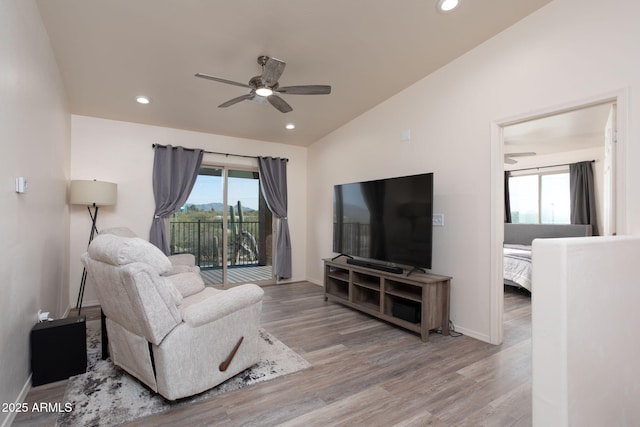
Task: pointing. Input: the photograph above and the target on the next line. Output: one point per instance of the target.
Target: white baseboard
(473, 334)
(316, 282)
(23, 394)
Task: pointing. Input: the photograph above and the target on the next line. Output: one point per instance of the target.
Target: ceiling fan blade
(218, 79)
(271, 71)
(230, 102)
(280, 104)
(305, 90)
(523, 154)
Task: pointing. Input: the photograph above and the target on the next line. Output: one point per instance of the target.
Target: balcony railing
(204, 239)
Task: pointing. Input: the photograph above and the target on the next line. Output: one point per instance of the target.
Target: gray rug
(107, 396)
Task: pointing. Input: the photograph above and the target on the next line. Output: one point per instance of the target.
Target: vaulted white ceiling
(110, 51)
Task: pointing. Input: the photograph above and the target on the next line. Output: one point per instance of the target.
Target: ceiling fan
(266, 86)
(509, 158)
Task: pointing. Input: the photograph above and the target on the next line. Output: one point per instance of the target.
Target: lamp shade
(89, 193)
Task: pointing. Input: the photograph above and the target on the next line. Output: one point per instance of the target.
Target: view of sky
(552, 198)
(209, 189)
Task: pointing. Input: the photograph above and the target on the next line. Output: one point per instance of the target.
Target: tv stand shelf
(419, 303)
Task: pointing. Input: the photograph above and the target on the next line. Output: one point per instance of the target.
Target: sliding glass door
(227, 226)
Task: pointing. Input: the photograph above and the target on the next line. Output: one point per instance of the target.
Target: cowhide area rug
(107, 396)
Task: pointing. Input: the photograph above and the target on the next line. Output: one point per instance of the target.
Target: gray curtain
(175, 170)
(507, 198)
(273, 180)
(583, 202)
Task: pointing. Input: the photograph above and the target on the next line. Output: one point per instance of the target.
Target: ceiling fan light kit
(264, 91)
(447, 5)
(266, 86)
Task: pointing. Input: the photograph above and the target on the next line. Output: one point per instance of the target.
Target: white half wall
(585, 321)
(121, 152)
(566, 52)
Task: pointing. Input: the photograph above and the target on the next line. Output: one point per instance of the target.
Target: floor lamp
(91, 194)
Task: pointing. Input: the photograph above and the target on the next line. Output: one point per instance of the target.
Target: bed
(517, 247)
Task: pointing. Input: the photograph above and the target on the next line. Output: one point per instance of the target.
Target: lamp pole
(94, 231)
(91, 194)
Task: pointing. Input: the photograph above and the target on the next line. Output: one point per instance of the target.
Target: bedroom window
(541, 198)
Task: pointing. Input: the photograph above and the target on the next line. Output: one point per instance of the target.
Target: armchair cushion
(187, 283)
(118, 250)
(181, 263)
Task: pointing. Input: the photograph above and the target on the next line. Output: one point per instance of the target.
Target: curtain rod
(544, 167)
(214, 152)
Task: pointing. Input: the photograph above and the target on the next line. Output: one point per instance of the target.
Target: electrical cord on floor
(452, 331)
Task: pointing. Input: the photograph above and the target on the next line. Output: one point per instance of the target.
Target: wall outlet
(438, 220)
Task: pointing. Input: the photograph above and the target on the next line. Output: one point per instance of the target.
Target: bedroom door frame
(620, 99)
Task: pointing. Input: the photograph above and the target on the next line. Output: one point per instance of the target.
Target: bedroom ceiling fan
(266, 86)
(509, 158)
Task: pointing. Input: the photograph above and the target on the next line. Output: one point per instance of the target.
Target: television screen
(388, 220)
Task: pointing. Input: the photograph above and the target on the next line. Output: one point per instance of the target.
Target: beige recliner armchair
(171, 332)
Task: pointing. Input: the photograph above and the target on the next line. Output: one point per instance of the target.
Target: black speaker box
(58, 350)
(406, 311)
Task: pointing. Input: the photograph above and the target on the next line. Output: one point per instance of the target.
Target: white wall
(585, 349)
(566, 52)
(34, 137)
(121, 152)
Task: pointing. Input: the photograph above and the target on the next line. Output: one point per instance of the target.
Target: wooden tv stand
(394, 298)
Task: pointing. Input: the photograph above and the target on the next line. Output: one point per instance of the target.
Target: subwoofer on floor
(58, 350)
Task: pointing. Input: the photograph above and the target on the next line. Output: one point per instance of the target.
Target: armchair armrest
(182, 259)
(221, 304)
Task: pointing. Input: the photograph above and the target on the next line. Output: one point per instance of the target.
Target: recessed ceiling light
(447, 5)
(264, 91)
(143, 99)
(290, 126)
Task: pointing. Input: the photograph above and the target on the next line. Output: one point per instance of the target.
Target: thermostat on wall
(21, 185)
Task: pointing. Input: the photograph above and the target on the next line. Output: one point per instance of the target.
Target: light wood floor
(366, 372)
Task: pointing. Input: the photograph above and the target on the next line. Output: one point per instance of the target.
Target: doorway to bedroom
(536, 151)
(226, 224)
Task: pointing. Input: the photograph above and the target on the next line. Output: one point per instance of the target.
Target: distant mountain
(208, 206)
(216, 207)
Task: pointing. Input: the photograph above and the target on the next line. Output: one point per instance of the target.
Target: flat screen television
(387, 220)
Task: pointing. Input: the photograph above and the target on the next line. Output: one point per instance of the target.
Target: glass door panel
(248, 230)
(227, 226)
